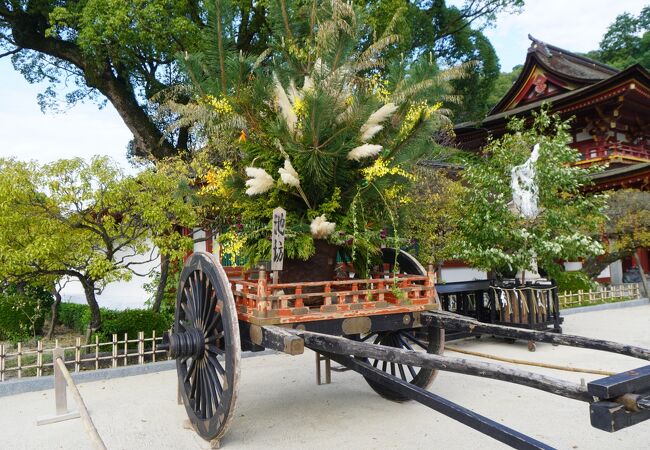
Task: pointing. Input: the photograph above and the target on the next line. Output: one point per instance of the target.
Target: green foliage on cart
(318, 124)
(23, 312)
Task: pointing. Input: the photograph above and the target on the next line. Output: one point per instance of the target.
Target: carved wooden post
(262, 304)
(327, 290)
(299, 303)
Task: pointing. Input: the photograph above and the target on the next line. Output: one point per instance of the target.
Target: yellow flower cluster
(216, 181)
(379, 88)
(298, 107)
(417, 111)
(397, 193)
(221, 105)
(381, 168)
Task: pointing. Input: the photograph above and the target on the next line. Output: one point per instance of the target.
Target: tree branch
(28, 30)
(11, 52)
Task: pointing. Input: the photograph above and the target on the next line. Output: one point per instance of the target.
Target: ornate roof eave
(635, 175)
(537, 55)
(566, 100)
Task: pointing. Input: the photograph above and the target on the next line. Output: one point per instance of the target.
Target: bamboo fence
(19, 363)
(606, 294)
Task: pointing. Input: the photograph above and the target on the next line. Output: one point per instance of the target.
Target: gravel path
(280, 405)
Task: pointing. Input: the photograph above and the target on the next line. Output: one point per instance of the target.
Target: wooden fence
(606, 294)
(19, 363)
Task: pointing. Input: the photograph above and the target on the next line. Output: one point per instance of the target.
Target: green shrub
(573, 282)
(21, 315)
(132, 321)
(74, 316)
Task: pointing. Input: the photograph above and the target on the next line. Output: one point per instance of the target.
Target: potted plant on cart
(318, 124)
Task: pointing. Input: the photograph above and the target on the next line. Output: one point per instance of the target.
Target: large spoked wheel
(408, 340)
(206, 345)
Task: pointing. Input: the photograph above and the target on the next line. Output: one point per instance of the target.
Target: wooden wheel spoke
(207, 395)
(193, 386)
(188, 305)
(211, 348)
(376, 363)
(199, 295)
(365, 338)
(194, 297)
(216, 364)
(404, 343)
(214, 322)
(214, 379)
(200, 399)
(415, 340)
(190, 370)
(210, 305)
(401, 372)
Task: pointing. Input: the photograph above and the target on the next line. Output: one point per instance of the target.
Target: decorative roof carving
(556, 69)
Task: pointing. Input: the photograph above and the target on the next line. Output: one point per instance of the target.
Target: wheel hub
(190, 342)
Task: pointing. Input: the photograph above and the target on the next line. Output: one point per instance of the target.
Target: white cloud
(576, 25)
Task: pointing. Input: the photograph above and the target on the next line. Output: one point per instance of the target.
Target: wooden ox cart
(389, 328)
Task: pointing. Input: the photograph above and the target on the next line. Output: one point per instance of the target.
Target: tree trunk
(162, 283)
(595, 265)
(95, 314)
(644, 280)
(55, 312)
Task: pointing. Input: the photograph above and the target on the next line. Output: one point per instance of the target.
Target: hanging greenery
(321, 124)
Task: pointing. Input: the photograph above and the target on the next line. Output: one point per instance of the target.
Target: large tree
(87, 221)
(627, 228)
(125, 52)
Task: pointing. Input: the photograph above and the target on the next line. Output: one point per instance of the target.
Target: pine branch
(285, 19)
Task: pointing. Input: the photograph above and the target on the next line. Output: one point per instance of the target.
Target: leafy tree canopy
(626, 42)
(86, 220)
(126, 51)
(492, 235)
(502, 84)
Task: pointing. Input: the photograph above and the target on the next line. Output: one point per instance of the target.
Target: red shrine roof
(550, 71)
(571, 84)
(610, 111)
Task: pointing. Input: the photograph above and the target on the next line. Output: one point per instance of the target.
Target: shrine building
(611, 119)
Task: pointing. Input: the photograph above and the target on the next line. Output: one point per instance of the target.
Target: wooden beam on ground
(342, 346)
(447, 320)
(465, 416)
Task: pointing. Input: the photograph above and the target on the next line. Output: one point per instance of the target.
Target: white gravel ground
(280, 405)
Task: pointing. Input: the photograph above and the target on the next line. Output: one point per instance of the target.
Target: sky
(84, 130)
